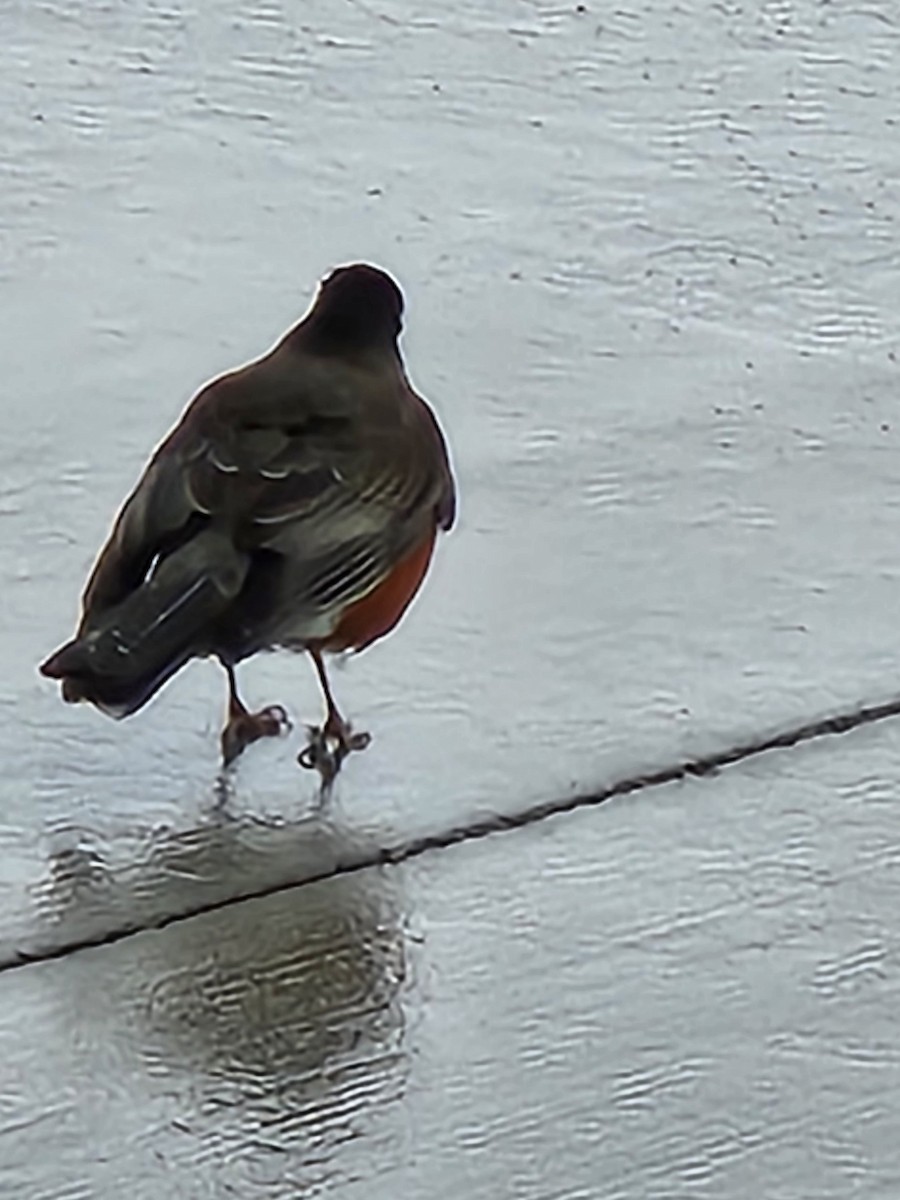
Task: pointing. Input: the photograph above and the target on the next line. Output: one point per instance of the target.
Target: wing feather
(329, 469)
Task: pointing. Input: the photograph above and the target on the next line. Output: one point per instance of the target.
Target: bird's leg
(329, 744)
(244, 727)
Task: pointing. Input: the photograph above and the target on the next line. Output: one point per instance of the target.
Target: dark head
(357, 307)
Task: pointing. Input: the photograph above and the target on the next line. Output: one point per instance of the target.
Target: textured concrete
(651, 270)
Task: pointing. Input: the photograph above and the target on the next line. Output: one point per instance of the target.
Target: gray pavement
(650, 259)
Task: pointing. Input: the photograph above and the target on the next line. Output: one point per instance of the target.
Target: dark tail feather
(126, 653)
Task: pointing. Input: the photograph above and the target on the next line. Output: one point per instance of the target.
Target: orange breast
(377, 613)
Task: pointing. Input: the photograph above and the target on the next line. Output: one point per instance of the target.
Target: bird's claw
(244, 728)
(358, 741)
(275, 719)
(328, 747)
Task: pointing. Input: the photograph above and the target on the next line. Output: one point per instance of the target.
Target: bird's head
(357, 306)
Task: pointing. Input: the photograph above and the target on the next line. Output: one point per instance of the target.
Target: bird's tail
(124, 654)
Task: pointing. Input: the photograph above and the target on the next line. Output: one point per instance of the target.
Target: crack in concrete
(475, 830)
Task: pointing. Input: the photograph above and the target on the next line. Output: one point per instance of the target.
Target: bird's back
(289, 491)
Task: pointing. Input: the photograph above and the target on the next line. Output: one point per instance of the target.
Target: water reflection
(281, 1014)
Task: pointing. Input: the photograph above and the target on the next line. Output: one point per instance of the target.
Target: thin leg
(329, 744)
(244, 727)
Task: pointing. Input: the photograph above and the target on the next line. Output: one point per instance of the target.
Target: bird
(295, 506)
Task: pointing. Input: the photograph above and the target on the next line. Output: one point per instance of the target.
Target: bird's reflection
(285, 1011)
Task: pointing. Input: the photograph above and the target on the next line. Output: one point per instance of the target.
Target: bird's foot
(328, 746)
(244, 728)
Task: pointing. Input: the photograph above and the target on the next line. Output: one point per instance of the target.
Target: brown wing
(338, 467)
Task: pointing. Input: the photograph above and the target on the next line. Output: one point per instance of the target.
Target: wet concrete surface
(692, 995)
(650, 261)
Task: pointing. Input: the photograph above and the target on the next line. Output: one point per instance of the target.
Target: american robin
(294, 505)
